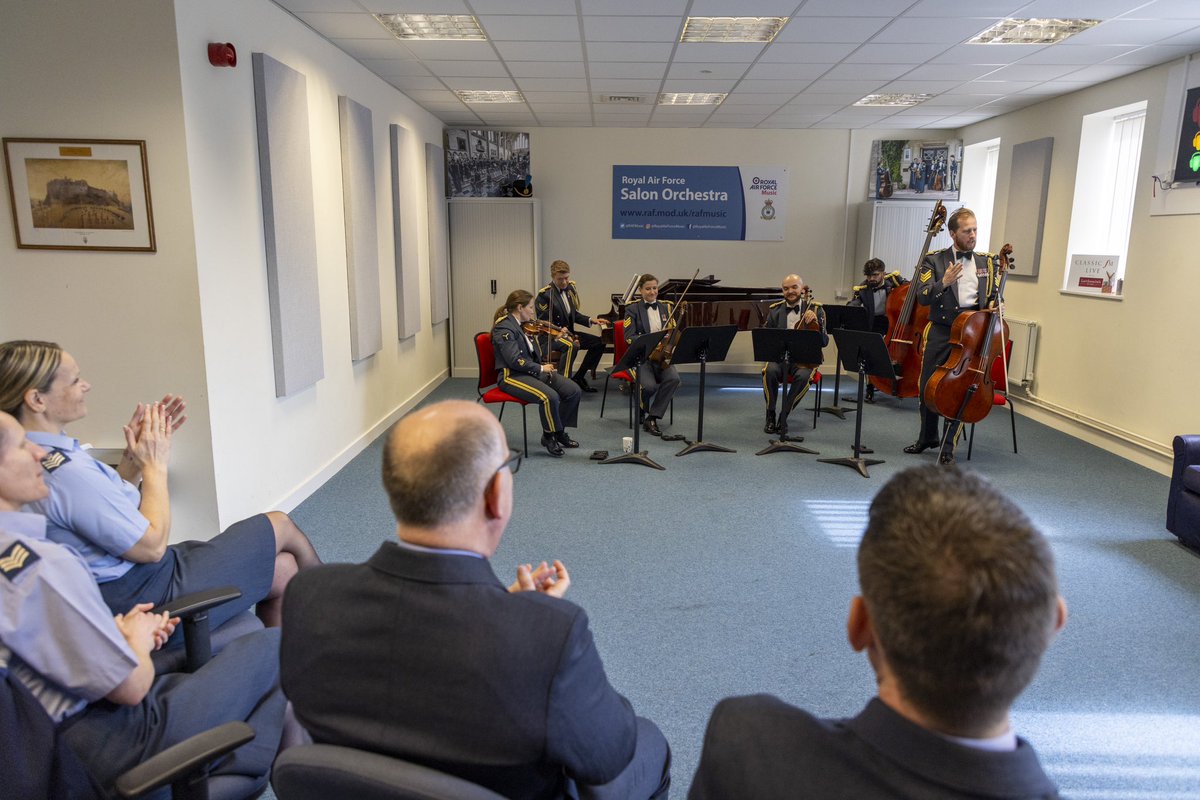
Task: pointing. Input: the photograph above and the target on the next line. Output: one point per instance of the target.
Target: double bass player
(950, 282)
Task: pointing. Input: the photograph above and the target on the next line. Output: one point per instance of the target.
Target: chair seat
(497, 395)
(998, 399)
(621, 375)
(1191, 478)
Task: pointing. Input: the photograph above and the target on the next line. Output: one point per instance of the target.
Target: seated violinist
(658, 383)
(796, 310)
(521, 373)
(873, 296)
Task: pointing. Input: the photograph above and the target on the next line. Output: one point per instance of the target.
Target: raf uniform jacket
(763, 748)
(549, 306)
(943, 300)
(637, 318)
(439, 664)
(864, 295)
(777, 317)
(512, 348)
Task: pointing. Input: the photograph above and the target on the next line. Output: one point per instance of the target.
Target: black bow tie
(965, 254)
(652, 306)
(794, 309)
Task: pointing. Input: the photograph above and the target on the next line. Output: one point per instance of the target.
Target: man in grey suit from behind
(422, 653)
(959, 601)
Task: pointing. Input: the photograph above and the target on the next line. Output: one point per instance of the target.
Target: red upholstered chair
(487, 389)
(999, 396)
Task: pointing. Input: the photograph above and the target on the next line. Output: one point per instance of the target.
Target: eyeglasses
(513, 463)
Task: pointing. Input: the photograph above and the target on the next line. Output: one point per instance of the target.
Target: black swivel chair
(321, 771)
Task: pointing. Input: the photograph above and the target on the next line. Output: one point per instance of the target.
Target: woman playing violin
(521, 373)
(658, 383)
(950, 282)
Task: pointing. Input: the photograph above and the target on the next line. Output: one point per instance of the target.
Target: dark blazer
(512, 348)
(777, 317)
(426, 656)
(763, 748)
(637, 317)
(864, 295)
(549, 306)
(943, 300)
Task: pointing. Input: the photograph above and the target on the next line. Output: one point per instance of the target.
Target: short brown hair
(873, 265)
(958, 214)
(26, 365)
(559, 267)
(961, 590)
(646, 278)
(438, 479)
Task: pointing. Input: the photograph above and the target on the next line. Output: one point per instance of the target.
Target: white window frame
(979, 167)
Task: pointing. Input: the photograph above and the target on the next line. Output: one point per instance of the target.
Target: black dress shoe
(551, 444)
(566, 441)
(770, 426)
(920, 447)
(946, 459)
(583, 385)
(650, 426)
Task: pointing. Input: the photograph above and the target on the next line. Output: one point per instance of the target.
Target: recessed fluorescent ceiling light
(1033, 31)
(432, 26)
(893, 99)
(690, 99)
(472, 96)
(731, 29)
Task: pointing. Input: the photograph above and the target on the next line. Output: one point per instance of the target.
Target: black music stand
(702, 344)
(842, 318)
(866, 353)
(786, 347)
(639, 350)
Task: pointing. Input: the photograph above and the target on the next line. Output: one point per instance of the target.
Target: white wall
(1127, 364)
(74, 68)
(271, 452)
(827, 174)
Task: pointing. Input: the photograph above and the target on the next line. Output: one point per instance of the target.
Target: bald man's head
(438, 461)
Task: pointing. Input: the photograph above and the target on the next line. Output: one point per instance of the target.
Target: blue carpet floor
(731, 574)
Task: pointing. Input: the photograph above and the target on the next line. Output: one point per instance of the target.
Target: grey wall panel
(362, 241)
(1028, 188)
(439, 235)
(408, 276)
(285, 169)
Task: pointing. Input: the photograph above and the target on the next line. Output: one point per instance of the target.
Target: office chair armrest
(193, 609)
(182, 760)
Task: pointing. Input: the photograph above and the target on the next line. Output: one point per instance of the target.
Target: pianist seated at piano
(658, 384)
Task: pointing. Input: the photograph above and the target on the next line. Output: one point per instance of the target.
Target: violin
(543, 327)
(962, 388)
(906, 320)
(665, 348)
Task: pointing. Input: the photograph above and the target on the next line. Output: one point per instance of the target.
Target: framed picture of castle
(80, 194)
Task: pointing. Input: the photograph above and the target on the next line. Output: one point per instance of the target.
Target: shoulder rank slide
(16, 559)
(54, 459)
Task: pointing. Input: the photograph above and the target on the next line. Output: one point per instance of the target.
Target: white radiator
(1024, 335)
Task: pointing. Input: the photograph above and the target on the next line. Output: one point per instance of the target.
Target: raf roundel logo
(768, 210)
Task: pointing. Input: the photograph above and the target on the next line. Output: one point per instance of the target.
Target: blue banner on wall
(672, 202)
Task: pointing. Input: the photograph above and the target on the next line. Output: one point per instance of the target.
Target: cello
(962, 388)
(906, 323)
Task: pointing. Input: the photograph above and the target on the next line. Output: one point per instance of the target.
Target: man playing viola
(658, 383)
(873, 295)
(796, 310)
(948, 287)
(558, 302)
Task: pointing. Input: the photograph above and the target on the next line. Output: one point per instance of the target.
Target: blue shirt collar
(59, 440)
(446, 551)
(21, 523)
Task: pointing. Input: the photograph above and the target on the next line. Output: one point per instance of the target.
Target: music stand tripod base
(704, 447)
(785, 446)
(859, 464)
(642, 458)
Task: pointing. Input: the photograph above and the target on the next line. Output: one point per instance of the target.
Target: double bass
(906, 323)
(962, 388)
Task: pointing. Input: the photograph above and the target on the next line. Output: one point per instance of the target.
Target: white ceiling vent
(622, 99)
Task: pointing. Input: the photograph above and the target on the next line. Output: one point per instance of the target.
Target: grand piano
(710, 303)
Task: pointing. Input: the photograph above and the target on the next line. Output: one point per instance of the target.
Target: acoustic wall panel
(285, 170)
(439, 235)
(362, 242)
(1028, 187)
(408, 278)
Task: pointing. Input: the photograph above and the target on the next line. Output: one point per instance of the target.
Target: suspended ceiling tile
(739, 98)
(632, 29)
(514, 6)
(941, 73)
(806, 72)
(827, 86)
(773, 85)
(417, 83)
(417, 6)
(624, 85)
(629, 51)
(702, 71)
(986, 54)
(452, 51)
(517, 28)
(540, 51)
(626, 69)
(867, 71)
(1134, 31)
(546, 69)
(617, 7)
(807, 53)
(347, 26)
(1154, 54)
(481, 84)
(907, 86)
(299, 7)
(889, 53)
(1101, 72)
(1031, 72)
(374, 48)
(946, 31)
(841, 8)
(978, 8)
(395, 68)
(467, 69)
(832, 29)
(557, 97)
(1078, 54)
(553, 85)
(736, 52)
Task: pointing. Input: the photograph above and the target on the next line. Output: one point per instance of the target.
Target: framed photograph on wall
(915, 169)
(80, 194)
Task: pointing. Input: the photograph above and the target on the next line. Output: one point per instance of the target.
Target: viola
(962, 388)
(906, 324)
(665, 349)
(806, 299)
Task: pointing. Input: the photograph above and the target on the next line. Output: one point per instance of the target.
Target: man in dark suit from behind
(422, 653)
(959, 601)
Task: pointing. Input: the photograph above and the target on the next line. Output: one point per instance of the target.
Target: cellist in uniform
(950, 282)
(521, 373)
(793, 311)
(658, 384)
(872, 295)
